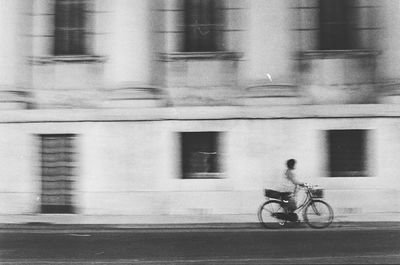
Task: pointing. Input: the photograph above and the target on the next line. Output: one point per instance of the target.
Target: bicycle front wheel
(318, 214)
(267, 213)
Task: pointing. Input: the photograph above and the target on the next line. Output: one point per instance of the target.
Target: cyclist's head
(291, 163)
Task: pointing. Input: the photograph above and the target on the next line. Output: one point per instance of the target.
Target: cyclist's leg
(291, 207)
(292, 204)
(289, 200)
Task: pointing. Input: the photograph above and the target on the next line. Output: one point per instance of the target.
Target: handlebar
(308, 186)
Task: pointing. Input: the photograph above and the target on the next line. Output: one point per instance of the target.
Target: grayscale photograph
(199, 132)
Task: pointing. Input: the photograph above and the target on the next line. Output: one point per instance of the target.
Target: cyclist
(289, 186)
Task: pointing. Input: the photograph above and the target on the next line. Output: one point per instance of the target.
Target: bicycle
(274, 214)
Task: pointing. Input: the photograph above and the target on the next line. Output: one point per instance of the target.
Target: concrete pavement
(79, 222)
(106, 228)
(176, 219)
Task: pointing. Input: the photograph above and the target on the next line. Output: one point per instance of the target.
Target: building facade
(164, 107)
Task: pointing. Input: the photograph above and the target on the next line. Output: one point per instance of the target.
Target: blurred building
(147, 107)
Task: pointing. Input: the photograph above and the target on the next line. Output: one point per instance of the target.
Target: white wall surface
(390, 40)
(19, 187)
(267, 43)
(8, 52)
(130, 49)
(132, 167)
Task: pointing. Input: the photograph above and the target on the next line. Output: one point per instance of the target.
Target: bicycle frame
(307, 200)
(310, 201)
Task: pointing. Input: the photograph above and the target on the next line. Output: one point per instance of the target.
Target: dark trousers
(290, 202)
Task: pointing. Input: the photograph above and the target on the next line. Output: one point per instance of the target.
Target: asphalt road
(202, 246)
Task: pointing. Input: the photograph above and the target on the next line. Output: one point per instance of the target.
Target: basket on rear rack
(317, 193)
(272, 194)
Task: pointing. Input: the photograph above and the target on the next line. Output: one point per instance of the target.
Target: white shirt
(289, 181)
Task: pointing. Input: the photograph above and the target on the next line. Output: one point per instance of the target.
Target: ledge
(178, 56)
(337, 54)
(266, 92)
(349, 174)
(203, 113)
(216, 175)
(67, 59)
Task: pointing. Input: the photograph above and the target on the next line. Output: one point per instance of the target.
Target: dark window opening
(347, 153)
(57, 172)
(335, 24)
(200, 156)
(202, 25)
(69, 32)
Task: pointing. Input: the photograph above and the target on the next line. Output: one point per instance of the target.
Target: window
(69, 32)
(57, 172)
(200, 155)
(335, 24)
(347, 153)
(201, 25)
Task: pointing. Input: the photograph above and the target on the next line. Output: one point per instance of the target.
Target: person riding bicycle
(289, 186)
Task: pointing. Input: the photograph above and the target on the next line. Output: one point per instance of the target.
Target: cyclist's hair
(290, 163)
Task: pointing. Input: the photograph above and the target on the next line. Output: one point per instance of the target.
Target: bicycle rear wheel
(318, 214)
(266, 214)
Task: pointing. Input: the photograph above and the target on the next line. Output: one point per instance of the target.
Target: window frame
(363, 26)
(211, 23)
(189, 142)
(70, 28)
(335, 27)
(67, 154)
(337, 139)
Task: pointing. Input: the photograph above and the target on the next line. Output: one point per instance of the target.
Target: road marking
(7, 251)
(79, 235)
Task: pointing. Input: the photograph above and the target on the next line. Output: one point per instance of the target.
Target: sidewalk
(79, 222)
(107, 228)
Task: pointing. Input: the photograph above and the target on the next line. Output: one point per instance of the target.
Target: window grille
(200, 154)
(70, 29)
(347, 153)
(202, 18)
(57, 172)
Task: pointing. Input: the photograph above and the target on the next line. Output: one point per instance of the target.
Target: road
(202, 246)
